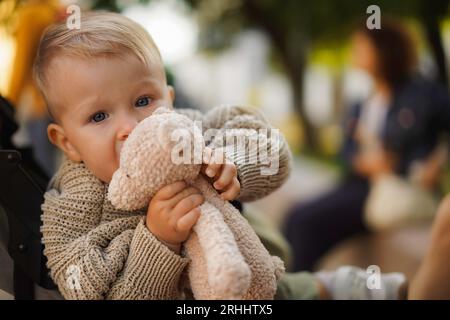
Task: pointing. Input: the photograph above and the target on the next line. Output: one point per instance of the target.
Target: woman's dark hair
(396, 50)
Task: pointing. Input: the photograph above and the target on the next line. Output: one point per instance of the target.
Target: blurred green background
(289, 58)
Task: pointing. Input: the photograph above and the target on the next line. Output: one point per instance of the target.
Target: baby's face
(98, 102)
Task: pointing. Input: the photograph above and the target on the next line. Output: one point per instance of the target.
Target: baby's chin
(109, 176)
(103, 175)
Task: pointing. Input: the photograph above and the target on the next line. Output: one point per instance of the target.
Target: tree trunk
(431, 13)
(296, 76)
(292, 47)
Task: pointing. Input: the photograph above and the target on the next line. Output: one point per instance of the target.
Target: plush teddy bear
(227, 259)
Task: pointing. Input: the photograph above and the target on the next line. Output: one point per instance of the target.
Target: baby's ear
(171, 94)
(57, 136)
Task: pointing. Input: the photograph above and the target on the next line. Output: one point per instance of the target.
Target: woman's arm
(432, 281)
(373, 163)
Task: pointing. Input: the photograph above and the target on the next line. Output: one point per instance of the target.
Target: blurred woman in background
(397, 127)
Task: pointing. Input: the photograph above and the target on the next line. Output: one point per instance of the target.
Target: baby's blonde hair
(101, 34)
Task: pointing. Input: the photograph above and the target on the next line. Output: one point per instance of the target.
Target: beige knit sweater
(95, 251)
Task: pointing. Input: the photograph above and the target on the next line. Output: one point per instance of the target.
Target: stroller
(22, 186)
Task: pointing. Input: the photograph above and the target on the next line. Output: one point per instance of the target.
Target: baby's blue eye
(99, 116)
(142, 102)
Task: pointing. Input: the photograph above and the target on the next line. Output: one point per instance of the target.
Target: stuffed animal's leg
(265, 269)
(228, 274)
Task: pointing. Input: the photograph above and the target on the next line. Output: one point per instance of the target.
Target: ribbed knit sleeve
(90, 257)
(259, 151)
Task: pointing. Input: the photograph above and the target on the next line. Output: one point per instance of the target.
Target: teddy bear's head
(164, 148)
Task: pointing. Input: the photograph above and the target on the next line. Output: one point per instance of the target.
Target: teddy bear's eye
(128, 176)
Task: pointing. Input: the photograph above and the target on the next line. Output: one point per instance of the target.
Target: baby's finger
(172, 202)
(226, 176)
(212, 170)
(232, 191)
(170, 190)
(216, 162)
(186, 205)
(186, 222)
(208, 157)
(207, 153)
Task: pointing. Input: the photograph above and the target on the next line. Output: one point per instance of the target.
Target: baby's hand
(172, 213)
(223, 172)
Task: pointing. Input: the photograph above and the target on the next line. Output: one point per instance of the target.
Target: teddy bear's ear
(123, 192)
(162, 110)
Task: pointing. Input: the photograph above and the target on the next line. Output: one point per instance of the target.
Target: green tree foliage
(294, 26)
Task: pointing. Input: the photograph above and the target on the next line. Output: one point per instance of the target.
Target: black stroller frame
(22, 187)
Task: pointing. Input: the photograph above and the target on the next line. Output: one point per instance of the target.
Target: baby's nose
(126, 128)
(123, 134)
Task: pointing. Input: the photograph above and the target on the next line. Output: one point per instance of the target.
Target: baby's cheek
(104, 168)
